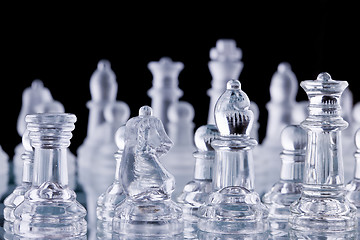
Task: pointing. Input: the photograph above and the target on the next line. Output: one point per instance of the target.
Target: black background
(62, 45)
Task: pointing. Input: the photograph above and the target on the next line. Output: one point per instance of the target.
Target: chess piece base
(148, 218)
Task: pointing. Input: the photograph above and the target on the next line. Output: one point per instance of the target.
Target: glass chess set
(153, 177)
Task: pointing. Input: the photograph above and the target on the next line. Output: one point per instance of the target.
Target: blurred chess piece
(225, 64)
(148, 210)
(32, 96)
(254, 133)
(198, 190)
(164, 90)
(179, 161)
(283, 91)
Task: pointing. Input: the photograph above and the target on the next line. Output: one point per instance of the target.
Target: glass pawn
(287, 190)
(148, 210)
(114, 194)
(50, 209)
(18, 195)
(323, 206)
(197, 191)
(234, 207)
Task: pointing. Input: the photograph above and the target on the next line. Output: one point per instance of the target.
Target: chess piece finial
(114, 194)
(165, 89)
(328, 208)
(233, 171)
(146, 183)
(50, 135)
(225, 64)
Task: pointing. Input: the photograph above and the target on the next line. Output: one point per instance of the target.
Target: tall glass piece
(233, 207)
(50, 209)
(323, 206)
(148, 210)
(288, 189)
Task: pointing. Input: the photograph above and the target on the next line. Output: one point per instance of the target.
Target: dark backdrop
(62, 49)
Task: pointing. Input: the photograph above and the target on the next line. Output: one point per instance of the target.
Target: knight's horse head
(147, 134)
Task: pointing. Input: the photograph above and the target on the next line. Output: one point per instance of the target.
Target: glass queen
(322, 206)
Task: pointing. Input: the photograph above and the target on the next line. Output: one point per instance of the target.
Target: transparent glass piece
(165, 87)
(179, 160)
(114, 194)
(148, 209)
(198, 190)
(323, 206)
(287, 190)
(233, 207)
(18, 195)
(50, 209)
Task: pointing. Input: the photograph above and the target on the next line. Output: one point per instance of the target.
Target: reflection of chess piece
(179, 160)
(18, 195)
(196, 191)
(32, 96)
(165, 89)
(225, 64)
(233, 207)
(50, 209)
(148, 209)
(323, 206)
(287, 190)
(114, 194)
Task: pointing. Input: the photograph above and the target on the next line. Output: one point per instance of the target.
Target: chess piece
(114, 194)
(234, 207)
(256, 125)
(101, 165)
(283, 90)
(18, 195)
(4, 166)
(50, 209)
(148, 209)
(32, 96)
(287, 190)
(165, 90)
(179, 160)
(225, 64)
(323, 206)
(196, 191)
(52, 107)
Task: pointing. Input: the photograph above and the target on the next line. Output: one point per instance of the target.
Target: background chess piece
(164, 90)
(179, 161)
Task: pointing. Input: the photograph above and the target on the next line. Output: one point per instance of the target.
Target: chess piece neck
(292, 168)
(233, 164)
(27, 176)
(357, 164)
(118, 156)
(203, 165)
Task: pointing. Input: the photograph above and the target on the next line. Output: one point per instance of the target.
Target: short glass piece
(287, 190)
(323, 206)
(233, 207)
(50, 209)
(198, 190)
(114, 194)
(148, 209)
